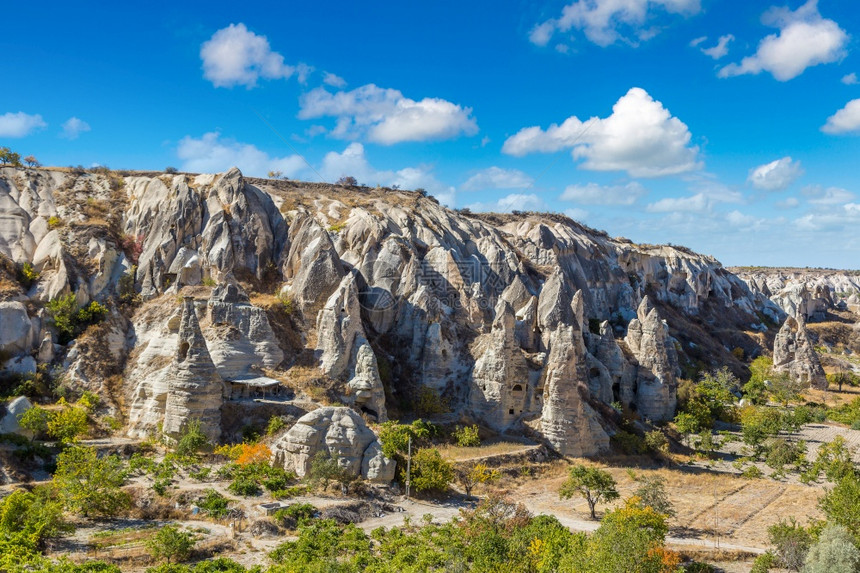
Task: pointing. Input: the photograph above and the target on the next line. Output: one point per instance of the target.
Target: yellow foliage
(253, 454)
(231, 452)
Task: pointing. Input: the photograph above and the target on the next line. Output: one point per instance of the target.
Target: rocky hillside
(221, 288)
(806, 292)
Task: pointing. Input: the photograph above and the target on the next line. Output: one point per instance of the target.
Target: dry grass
(458, 454)
(739, 510)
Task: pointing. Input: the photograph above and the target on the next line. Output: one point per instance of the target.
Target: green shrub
(628, 443)
(430, 472)
(70, 319)
(245, 486)
(171, 544)
(213, 503)
(275, 425)
(192, 440)
(656, 441)
(764, 563)
(27, 275)
(467, 436)
(54, 222)
(752, 472)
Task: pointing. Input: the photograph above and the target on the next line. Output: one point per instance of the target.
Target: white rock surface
(341, 434)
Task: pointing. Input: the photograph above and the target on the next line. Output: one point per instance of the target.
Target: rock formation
(9, 420)
(499, 389)
(339, 433)
(793, 352)
(194, 389)
(649, 341)
(495, 313)
(568, 422)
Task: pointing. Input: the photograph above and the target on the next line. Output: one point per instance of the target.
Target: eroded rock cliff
(386, 301)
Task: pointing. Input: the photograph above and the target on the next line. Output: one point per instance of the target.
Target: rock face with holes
(339, 433)
(194, 389)
(794, 353)
(500, 392)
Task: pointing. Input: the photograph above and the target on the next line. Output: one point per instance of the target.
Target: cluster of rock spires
(522, 323)
(805, 293)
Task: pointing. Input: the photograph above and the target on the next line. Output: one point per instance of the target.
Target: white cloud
(696, 41)
(353, 162)
(594, 194)
(849, 79)
(697, 203)
(497, 178)
(737, 219)
(829, 196)
(385, 116)
(776, 175)
(20, 124)
(605, 22)
(333, 80)
(805, 39)
(720, 49)
(236, 56)
(74, 127)
(210, 153)
(512, 202)
(576, 214)
(789, 203)
(846, 120)
(640, 137)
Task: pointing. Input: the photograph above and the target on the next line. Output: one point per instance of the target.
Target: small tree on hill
(430, 472)
(171, 544)
(593, 484)
(475, 474)
(834, 551)
(89, 484)
(32, 161)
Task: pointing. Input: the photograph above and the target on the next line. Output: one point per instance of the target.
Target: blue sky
(728, 126)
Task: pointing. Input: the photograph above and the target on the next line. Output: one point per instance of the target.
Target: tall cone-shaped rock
(649, 341)
(793, 352)
(195, 390)
(500, 379)
(568, 422)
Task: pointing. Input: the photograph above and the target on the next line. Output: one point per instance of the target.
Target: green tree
(9, 157)
(35, 420)
(430, 472)
(652, 493)
(31, 161)
(791, 541)
(593, 484)
(31, 517)
(758, 423)
(834, 459)
(324, 468)
(841, 504)
(474, 474)
(835, 551)
(68, 424)
(716, 389)
(171, 544)
(90, 485)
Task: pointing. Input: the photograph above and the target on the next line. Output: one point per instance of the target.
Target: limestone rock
(499, 389)
(649, 341)
(338, 325)
(239, 337)
(16, 334)
(9, 422)
(195, 390)
(568, 422)
(366, 387)
(793, 352)
(340, 433)
(312, 263)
